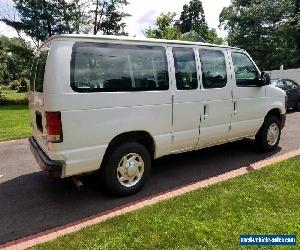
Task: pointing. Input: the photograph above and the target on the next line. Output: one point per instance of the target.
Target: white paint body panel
(173, 118)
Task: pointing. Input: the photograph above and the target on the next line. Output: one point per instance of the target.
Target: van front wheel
(126, 169)
(267, 138)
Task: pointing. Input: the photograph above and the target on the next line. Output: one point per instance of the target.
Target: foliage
(14, 122)
(190, 27)
(212, 37)
(267, 29)
(262, 202)
(192, 36)
(15, 59)
(108, 16)
(192, 18)
(14, 85)
(295, 30)
(164, 27)
(42, 19)
(23, 86)
(19, 85)
(12, 97)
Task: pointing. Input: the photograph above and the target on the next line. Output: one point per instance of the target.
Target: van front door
(185, 99)
(249, 98)
(216, 97)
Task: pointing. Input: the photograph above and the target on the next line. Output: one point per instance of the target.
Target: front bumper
(282, 120)
(53, 168)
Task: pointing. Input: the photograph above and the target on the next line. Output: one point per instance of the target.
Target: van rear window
(115, 67)
(38, 71)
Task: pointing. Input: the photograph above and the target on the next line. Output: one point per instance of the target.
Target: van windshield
(38, 71)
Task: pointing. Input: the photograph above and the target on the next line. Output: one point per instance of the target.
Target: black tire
(109, 169)
(261, 136)
(297, 107)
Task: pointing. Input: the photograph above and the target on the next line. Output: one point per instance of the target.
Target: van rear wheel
(297, 108)
(126, 169)
(267, 138)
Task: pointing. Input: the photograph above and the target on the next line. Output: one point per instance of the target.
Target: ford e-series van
(114, 104)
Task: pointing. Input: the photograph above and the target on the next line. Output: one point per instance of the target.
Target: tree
(14, 57)
(295, 24)
(164, 27)
(167, 27)
(4, 78)
(263, 28)
(212, 37)
(195, 37)
(192, 18)
(40, 19)
(108, 16)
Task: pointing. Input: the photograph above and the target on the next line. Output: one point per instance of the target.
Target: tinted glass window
(245, 72)
(38, 71)
(291, 84)
(213, 69)
(278, 83)
(109, 67)
(185, 68)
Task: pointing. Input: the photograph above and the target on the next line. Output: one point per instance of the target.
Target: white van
(116, 103)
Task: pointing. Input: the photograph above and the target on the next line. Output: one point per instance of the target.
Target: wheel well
(274, 112)
(142, 137)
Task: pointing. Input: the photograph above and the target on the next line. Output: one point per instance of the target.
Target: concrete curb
(54, 233)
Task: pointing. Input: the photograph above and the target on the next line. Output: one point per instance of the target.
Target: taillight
(54, 128)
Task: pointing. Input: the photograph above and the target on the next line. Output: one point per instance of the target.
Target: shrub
(14, 85)
(23, 87)
(4, 87)
(5, 101)
(2, 99)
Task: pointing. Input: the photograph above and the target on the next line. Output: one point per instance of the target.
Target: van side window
(114, 67)
(185, 68)
(40, 71)
(246, 74)
(213, 69)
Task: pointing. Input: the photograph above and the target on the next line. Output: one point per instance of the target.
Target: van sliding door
(185, 98)
(216, 96)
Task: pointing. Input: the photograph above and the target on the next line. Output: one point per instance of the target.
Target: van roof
(128, 38)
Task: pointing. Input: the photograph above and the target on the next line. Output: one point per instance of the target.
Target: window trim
(33, 74)
(196, 70)
(250, 59)
(94, 90)
(202, 71)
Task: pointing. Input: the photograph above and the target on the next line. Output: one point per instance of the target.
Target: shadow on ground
(33, 203)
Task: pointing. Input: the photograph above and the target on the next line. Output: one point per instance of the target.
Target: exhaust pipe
(78, 183)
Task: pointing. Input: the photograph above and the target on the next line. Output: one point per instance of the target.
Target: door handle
(235, 107)
(205, 111)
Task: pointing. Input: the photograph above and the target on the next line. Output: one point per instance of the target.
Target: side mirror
(264, 79)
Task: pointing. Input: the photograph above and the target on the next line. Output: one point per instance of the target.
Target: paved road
(30, 202)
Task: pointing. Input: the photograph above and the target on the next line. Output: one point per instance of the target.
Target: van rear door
(36, 98)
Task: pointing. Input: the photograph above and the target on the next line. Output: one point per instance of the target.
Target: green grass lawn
(262, 202)
(14, 122)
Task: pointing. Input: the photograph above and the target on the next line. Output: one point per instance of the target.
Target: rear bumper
(282, 120)
(53, 168)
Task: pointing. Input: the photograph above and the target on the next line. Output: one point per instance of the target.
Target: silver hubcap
(273, 134)
(130, 170)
